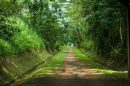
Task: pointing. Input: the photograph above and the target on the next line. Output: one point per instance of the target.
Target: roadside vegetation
(100, 26)
(49, 68)
(90, 59)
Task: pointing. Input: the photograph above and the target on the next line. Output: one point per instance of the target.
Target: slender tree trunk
(126, 4)
(128, 42)
(121, 37)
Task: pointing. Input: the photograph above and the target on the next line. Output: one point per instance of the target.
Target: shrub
(24, 39)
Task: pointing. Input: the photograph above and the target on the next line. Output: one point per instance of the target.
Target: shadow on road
(51, 81)
(75, 73)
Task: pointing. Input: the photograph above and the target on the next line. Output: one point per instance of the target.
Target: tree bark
(126, 4)
(128, 43)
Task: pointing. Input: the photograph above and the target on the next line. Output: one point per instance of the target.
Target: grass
(56, 63)
(90, 59)
(20, 64)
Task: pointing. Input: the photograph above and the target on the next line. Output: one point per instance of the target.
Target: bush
(24, 39)
(5, 47)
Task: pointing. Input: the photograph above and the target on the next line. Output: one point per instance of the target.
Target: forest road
(75, 73)
(75, 68)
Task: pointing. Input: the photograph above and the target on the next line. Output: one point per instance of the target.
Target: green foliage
(5, 47)
(104, 25)
(24, 40)
(43, 16)
(8, 8)
(27, 39)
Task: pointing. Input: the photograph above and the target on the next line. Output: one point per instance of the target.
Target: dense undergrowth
(24, 40)
(90, 59)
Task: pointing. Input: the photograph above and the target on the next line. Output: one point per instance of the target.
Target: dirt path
(75, 73)
(75, 68)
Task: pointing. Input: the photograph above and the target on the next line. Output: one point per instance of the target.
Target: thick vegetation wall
(102, 29)
(29, 33)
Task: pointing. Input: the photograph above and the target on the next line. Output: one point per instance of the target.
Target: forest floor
(75, 73)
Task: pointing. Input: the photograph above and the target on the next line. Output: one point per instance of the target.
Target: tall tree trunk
(126, 4)
(121, 37)
(128, 42)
